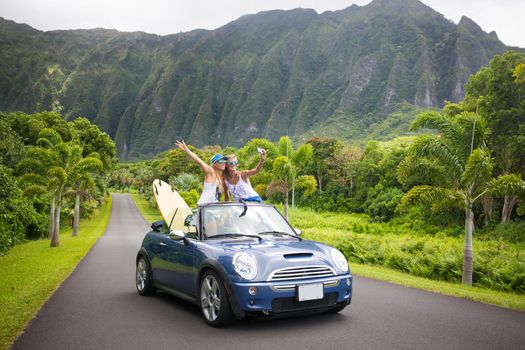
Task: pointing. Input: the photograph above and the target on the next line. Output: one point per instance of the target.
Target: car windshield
(257, 220)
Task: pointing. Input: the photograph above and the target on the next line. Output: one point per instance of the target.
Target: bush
(498, 264)
(18, 219)
(191, 198)
(382, 202)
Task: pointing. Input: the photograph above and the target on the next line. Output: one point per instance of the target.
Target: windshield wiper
(279, 233)
(236, 235)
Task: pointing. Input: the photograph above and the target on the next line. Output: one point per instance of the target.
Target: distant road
(97, 307)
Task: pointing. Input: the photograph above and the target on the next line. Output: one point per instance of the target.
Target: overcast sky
(506, 17)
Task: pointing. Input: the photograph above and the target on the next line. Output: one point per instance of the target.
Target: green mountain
(350, 72)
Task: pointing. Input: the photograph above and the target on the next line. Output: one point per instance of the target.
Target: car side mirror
(177, 235)
(299, 232)
(190, 220)
(157, 225)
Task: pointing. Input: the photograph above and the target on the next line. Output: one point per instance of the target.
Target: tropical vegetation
(418, 198)
(52, 170)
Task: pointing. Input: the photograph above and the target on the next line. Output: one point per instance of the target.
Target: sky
(174, 16)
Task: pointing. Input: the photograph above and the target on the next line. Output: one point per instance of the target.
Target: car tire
(143, 277)
(214, 302)
(338, 307)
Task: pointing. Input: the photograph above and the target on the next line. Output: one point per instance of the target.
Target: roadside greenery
(52, 170)
(31, 272)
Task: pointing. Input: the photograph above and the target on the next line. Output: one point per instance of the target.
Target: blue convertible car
(238, 260)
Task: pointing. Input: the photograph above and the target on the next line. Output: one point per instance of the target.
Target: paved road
(97, 307)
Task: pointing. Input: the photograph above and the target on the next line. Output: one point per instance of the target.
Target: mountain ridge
(263, 75)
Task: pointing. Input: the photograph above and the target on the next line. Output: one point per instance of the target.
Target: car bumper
(275, 298)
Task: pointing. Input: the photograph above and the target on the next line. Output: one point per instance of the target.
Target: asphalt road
(97, 307)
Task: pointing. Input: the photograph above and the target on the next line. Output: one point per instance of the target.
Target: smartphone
(260, 150)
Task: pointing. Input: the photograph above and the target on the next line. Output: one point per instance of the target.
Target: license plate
(310, 292)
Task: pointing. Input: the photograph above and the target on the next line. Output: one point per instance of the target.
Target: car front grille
(300, 273)
(291, 304)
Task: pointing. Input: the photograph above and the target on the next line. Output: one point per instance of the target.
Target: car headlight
(339, 260)
(245, 266)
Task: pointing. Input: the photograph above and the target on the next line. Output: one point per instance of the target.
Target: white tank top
(242, 189)
(210, 193)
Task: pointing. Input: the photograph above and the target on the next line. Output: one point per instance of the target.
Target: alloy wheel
(141, 275)
(210, 298)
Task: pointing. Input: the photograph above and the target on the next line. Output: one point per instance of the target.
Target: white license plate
(310, 291)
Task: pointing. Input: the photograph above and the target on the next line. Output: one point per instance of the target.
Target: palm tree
(38, 169)
(185, 182)
(81, 173)
(286, 168)
(456, 166)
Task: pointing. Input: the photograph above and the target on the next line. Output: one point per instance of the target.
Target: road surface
(97, 307)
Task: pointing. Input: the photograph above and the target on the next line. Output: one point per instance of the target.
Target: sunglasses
(221, 161)
(233, 163)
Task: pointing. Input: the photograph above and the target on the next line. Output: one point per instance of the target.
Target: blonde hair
(226, 170)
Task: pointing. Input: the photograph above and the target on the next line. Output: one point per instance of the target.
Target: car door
(178, 260)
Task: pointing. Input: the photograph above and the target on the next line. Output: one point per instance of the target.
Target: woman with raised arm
(213, 181)
(238, 181)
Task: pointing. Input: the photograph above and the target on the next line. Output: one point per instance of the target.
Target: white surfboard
(172, 207)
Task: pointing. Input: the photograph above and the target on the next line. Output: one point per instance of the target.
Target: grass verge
(32, 271)
(150, 214)
(488, 296)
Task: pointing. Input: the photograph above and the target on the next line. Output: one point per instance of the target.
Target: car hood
(274, 254)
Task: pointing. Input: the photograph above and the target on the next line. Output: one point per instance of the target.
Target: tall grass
(498, 264)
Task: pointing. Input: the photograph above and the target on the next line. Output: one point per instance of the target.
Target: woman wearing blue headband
(213, 181)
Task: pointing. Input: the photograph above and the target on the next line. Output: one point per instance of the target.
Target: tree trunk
(76, 218)
(52, 216)
(286, 205)
(293, 197)
(55, 239)
(488, 208)
(467, 251)
(509, 201)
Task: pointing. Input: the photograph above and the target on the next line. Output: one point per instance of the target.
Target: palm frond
(302, 155)
(285, 146)
(507, 184)
(277, 186)
(34, 190)
(429, 170)
(251, 148)
(432, 197)
(434, 148)
(478, 169)
(29, 179)
(307, 183)
(283, 169)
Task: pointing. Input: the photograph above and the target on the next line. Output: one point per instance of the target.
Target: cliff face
(263, 75)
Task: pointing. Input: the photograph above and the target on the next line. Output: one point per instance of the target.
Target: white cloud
(172, 16)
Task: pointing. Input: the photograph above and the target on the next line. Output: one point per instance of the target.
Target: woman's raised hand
(182, 145)
(263, 154)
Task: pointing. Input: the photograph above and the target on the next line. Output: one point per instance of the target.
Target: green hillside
(348, 73)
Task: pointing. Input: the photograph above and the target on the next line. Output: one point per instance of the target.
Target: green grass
(310, 222)
(488, 296)
(149, 213)
(32, 271)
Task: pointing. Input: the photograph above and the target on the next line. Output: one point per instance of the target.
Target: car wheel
(338, 307)
(143, 277)
(215, 305)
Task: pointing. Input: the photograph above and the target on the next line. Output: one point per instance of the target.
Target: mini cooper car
(237, 260)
